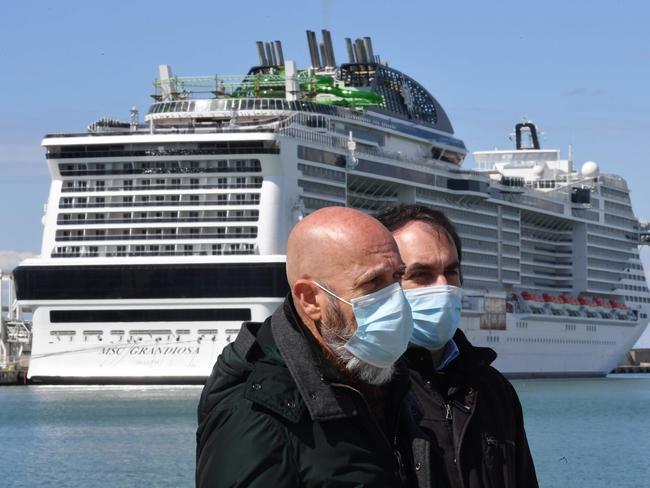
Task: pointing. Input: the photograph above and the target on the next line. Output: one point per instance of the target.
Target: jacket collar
(469, 356)
(313, 376)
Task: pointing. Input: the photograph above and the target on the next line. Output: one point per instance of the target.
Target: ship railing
(159, 171)
(614, 181)
(162, 203)
(230, 149)
(156, 220)
(343, 143)
(160, 187)
(153, 253)
(136, 237)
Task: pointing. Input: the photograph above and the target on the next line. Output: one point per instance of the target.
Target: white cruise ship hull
(538, 346)
(184, 351)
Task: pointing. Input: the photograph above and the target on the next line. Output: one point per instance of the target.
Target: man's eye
(419, 276)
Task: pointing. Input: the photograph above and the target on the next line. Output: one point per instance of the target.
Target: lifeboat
(527, 296)
(589, 305)
(535, 302)
(570, 302)
(621, 310)
(603, 307)
(556, 304)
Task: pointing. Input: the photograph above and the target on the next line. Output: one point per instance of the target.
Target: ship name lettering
(149, 350)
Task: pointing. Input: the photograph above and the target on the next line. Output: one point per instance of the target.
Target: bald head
(349, 254)
(327, 242)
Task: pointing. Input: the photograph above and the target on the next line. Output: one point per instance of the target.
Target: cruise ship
(162, 236)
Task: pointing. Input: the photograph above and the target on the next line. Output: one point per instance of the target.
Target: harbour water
(583, 433)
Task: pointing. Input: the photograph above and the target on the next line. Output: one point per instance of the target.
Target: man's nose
(441, 279)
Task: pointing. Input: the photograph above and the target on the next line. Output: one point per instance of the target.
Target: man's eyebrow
(418, 267)
(427, 267)
(370, 275)
(455, 264)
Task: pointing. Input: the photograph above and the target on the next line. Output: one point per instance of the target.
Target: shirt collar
(451, 353)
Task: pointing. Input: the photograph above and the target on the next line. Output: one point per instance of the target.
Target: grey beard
(364, 372)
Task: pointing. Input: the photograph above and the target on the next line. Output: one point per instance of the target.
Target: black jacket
(274, 414)
(474, 419)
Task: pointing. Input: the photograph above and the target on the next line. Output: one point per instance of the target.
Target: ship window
(153, 315)
(466, 185)
(319, 156)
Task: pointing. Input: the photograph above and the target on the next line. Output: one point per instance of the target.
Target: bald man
(313, 396)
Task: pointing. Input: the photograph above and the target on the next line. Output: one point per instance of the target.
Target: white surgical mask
(384, 325)
(436, 314)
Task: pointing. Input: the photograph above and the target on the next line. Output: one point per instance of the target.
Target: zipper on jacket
(393, 447)
(448, 414)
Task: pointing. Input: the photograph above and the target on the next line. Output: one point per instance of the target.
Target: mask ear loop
(330, 292)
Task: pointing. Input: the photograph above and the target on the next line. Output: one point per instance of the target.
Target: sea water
(583, 433)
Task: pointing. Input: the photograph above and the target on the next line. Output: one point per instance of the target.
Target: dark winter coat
(274, 414)
(474, 419)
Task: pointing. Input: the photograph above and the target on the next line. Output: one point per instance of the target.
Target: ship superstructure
(162, 237)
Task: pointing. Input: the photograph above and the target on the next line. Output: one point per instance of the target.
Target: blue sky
(580, 70)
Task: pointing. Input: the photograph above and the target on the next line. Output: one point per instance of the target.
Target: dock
(638, 361)
(15, 335)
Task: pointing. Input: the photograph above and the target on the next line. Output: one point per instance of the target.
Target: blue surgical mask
(384, 325)
(436, 314)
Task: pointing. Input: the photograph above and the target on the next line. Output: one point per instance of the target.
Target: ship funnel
(269, 54)
(167, 82)
(348, 45)
(313, 49)
(360, 51)
(329, 48)
(323, 55)
(367, 44)
(279, 56)
(261, 54)
(532, 132)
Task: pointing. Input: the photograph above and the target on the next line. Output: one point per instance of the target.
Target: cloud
(10, 259)
(583, 91)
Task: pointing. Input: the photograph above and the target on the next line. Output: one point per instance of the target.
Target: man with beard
(313, 397)
(472, 412)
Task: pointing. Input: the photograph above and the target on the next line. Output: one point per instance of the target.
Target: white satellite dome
(590, 169)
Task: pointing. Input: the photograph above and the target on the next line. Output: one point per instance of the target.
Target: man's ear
(306, 294)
